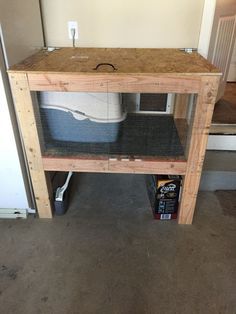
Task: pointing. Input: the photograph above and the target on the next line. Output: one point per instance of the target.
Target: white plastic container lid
(97, 107)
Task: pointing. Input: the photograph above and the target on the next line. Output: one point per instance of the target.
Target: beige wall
(124, 23)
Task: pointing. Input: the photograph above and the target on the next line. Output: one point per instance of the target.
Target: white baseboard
(15, 213)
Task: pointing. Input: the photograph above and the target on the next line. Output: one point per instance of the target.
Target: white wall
(124, 23)
(206, 27)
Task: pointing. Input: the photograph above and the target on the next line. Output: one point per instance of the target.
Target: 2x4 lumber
(26, 119)
(74, 164)
(109, 82)
(114, 165)
(196, 147)
(147, 166)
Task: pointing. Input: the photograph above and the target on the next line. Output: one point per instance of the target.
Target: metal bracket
(189, 50)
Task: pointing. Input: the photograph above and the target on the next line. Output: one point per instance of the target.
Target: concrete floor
(108, 256)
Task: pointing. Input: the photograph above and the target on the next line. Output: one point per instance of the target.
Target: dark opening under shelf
(141, 135)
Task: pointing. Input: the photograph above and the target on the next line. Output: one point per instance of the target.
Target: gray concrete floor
(107, 255)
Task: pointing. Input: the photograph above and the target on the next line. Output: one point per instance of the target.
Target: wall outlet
(73, 25)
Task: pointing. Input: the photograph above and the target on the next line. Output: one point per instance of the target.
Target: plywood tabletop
(125, 61)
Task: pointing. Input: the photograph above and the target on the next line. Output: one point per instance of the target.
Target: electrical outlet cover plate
(71, 25)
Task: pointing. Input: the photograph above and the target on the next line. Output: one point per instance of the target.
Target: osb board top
(125, 61)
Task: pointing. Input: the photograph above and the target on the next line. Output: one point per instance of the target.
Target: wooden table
(136, 71)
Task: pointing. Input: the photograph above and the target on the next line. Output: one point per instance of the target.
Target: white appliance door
(12, 188)
(21, 35)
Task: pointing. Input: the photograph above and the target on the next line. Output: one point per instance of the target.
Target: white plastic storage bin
(82, 117)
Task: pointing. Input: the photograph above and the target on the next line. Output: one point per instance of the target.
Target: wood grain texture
(181, 106)
(196, 147)
(109, 82)
(147, 167)
(138, 70)
(114, 165)
(75, 164)
(125, 60)
(26, 119)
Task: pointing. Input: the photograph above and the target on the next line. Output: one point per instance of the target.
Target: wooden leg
(26, 119)
(196, 147)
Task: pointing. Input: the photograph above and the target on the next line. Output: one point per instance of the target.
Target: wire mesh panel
(98, 124)
(145, 133)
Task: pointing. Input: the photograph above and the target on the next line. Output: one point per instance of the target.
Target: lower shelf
(140, 136)
(147, 144)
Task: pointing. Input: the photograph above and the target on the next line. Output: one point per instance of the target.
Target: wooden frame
(202, 80)
(25, 113)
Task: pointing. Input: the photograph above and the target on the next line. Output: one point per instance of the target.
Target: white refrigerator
(20, 36)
